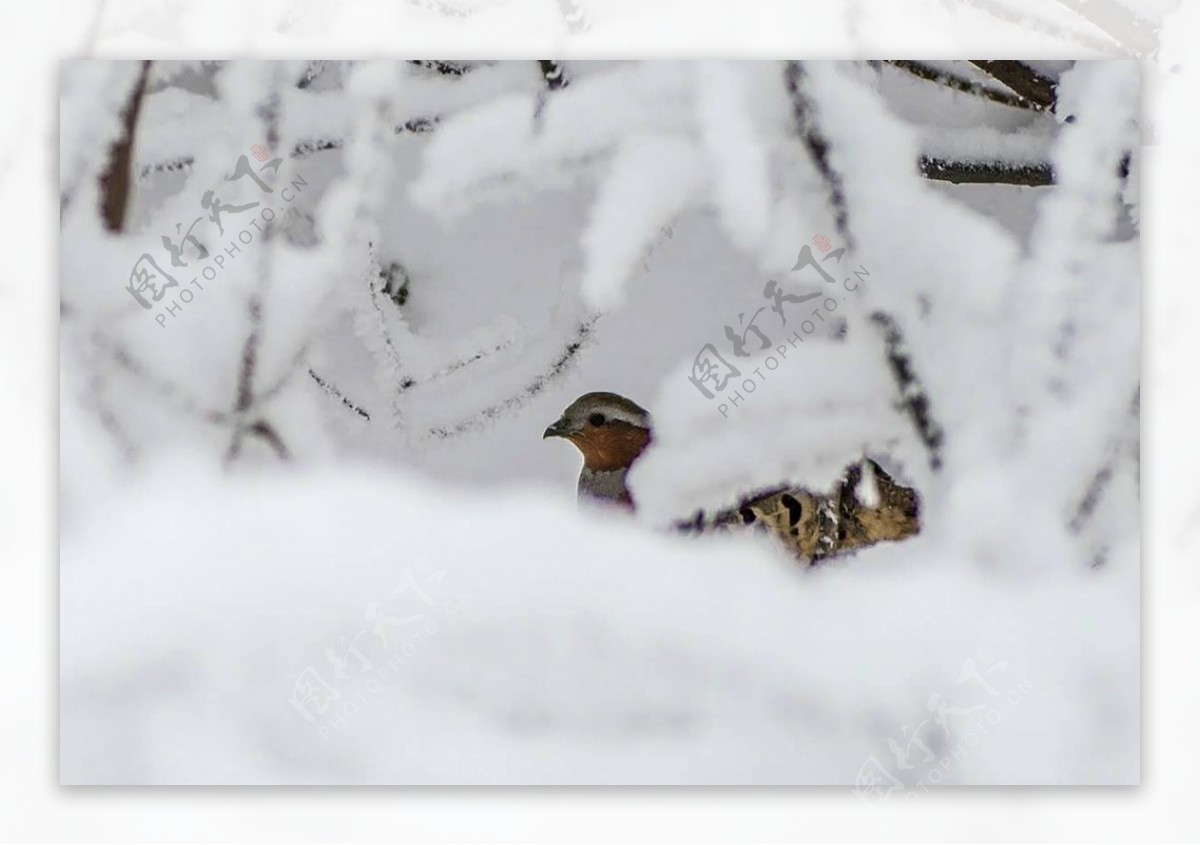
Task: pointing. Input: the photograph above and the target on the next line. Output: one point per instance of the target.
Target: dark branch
(535, 386)
(1103, 476)
(314, 70)
(1030, 85)
(174, 394)
(338, 395)
(116, 182)
(913, 396)
(1034, 173)
(263, 429)
(554, 74)
(475, 357)
(419, 125)
(555, 77)
(914, 400)
(445, 68)
(415, 126)
(989, 172)
(817, 146)
(373, 292)
(959, 83)
(173, 166)
(302, 149)
(245, 400)
(245, 385)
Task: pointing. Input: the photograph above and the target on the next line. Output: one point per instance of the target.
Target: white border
(35, 35)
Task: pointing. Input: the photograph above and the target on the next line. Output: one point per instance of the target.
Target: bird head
(608, 429)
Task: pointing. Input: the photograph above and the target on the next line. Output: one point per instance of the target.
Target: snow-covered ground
(384, 577)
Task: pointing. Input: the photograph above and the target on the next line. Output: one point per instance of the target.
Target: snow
(738, 155)
(600, 236)
(867, 490)
(631, 207)
(587, 651)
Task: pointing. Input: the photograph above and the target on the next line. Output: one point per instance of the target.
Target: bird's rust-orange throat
(610, 447)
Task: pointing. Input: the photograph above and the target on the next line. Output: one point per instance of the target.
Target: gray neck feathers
(606, 486)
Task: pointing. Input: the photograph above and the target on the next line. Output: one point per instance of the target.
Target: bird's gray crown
(612, 405)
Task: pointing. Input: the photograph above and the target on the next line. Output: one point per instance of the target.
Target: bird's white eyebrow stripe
(611, 405)
(623, 415)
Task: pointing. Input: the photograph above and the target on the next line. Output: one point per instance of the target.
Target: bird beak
(557, 429)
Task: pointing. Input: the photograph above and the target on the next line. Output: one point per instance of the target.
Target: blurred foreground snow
(557, 647)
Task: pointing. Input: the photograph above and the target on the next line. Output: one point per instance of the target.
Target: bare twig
(995, 172)
(921, 70)
(331, 390)
(914, 399)
(556, 79)
(116, 182)
(986, 172)
(268, 111)
(1040, 91)
(1103, 476)
(245, 385)
(247, 401)
(445, 68)
(536, 385)
(554, 73)
(301, 149)
(263, 429)
(311, 73)
(373, 291)
(455, 366)
(817, 146)
(174, 165)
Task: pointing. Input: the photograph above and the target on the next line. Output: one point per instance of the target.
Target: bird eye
(596, 419)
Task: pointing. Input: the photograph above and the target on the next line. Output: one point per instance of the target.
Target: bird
(864, 506)
(611, 432)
